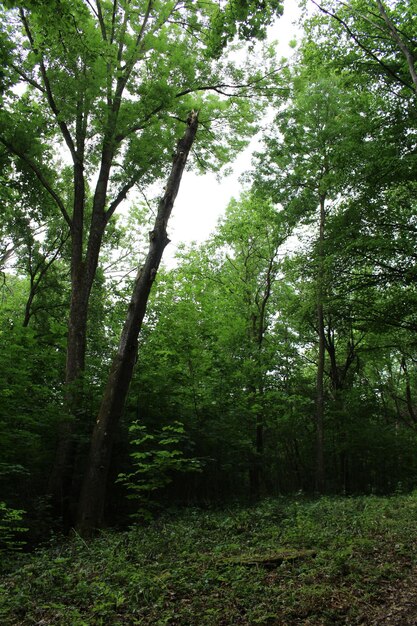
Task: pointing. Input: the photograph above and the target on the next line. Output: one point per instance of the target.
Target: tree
(111, 85)
(249, 240)
(92, 501)
(31, 403)
(310, 156)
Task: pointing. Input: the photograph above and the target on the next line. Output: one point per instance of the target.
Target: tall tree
(93, 494)
(307, 163)
(109, 85)
(250, 239)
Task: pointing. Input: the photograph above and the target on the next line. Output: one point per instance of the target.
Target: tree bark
(83, 271)
(407, 52)
(93, 493)
(320, 405)
(320, 475)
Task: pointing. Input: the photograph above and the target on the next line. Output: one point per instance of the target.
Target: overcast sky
(202, 199)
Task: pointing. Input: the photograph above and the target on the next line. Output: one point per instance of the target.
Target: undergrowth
(340, 556)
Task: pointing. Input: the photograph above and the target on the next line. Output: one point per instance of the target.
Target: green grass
(197, 568)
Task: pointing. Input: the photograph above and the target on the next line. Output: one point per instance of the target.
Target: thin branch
(50, 261)
(140, 125)
(122, 37)
(101, 20)
(116, 261)
(148, 204)
(144, 23)
(51, 101)
(223, 86)
(130, 64)
(28, 79)
(356, 39)
(218, 88)
(34, 167)
(122, 195)
(92, 8)
(113, 21)
(404, 49)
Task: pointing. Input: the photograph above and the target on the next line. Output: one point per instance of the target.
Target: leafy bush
(11, 528)
(155, 459)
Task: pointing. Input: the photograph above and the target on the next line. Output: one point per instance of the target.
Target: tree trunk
(320, 478)
(257, 475)
(320, 406)
(61, 478)
(93, 493)
(83, 272)
(256, 467)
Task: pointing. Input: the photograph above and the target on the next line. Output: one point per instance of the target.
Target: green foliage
(104, 93)
(156, 458)
(11, 529)
(337, 560)
(31, 363)
(246, 19)
(357, 39)
(227, 362)
(162, 85)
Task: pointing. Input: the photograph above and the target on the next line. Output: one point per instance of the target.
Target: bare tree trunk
(256, 463)
(320, 476)
(83, 271)
(93, 493)
(320, 405)
(61, 477)
(257, 476)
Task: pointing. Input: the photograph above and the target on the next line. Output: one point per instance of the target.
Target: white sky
(202, 199)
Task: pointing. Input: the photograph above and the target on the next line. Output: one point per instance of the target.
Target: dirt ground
(400, 607)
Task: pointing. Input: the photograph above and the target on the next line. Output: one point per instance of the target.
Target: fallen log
(271, 560)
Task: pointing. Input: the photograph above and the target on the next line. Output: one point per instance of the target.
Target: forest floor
(400, 605)
(288, 561)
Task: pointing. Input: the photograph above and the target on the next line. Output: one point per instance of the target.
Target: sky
(202, 199)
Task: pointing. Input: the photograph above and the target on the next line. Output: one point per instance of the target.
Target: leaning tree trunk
(93, 493)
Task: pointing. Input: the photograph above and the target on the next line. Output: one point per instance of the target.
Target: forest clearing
(286, 561)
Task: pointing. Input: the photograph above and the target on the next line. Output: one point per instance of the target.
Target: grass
(203, 568)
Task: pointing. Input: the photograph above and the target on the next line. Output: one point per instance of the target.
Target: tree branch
(404, 49)
(113, 21)
(222, 86)
(140, 125)
(356, 39)
(51, 101)
(28, 79)
(218, 88)
(92, 8)
(39, 175)
(121, 195)
(129, 65)
(101, 20)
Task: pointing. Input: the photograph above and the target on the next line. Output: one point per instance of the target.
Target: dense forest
(272, 365)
